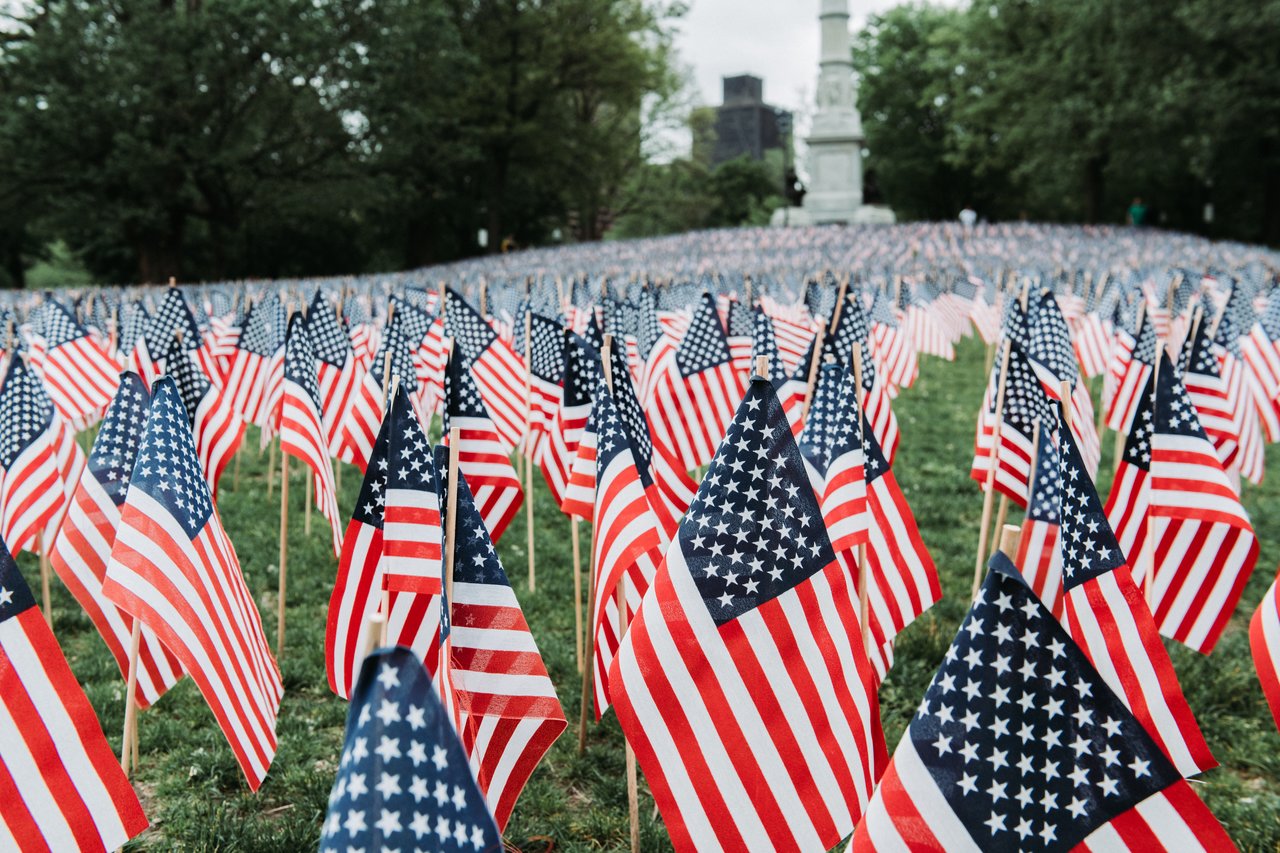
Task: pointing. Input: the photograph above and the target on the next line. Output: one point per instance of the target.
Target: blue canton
(1089, 547)
(116, 445)
(167, 468)
(704, 346)
(26, 412)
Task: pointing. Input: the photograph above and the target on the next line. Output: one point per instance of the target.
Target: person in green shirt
(1137, 212)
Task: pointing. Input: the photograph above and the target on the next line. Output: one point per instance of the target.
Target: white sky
(776, 40)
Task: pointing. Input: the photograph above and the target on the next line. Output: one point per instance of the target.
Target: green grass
(197, 800)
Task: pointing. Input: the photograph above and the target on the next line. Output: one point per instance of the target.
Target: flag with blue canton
(116, 443)
(1049, 347)
(328, 334)
(173, 317)
(765, 343)
(403, 781)
(1020, 744)
(30, 493)
(704, 346)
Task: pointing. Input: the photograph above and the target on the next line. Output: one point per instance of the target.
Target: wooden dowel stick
(44, 582)
(239, 452)
(577, 591)
(1010, 535)
(284, 552)
(989, 495)
(1002, 512)
(130, 699)
(306, 520)
(271, 469)
(813, 369)
(588, 650)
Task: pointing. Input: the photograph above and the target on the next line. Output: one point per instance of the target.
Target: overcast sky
(776, 40)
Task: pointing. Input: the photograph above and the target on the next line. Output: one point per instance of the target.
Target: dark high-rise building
(745, 124)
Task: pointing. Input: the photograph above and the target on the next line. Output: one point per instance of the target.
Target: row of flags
(742, 620)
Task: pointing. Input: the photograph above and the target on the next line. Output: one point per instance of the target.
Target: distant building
(745, 124)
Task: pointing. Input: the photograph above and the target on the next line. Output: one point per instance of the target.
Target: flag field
(194, 792)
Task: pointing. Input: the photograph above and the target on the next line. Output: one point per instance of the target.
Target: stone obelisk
(835, 138)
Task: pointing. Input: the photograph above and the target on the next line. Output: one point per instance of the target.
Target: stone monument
(835, 137)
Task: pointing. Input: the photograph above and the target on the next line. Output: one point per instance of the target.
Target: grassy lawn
(196, 798)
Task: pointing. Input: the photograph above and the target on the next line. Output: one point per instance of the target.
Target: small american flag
(1132, 362)
(170, 553)
(83, 547)
(64, 789)
(403, 780)
(30, 487)
(411, 526)
(335, 366)
(1025, 403)
(497, 369)
(1208, 392)
(832, 446)
(247, 377)
(578, 382)
(1264, 641)
(742, 682)
(215, 425)
(1039, 558)
(79, 373)
(1020, 743)
(301, 424)
(546, 371)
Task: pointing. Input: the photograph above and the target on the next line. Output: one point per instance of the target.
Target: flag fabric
(357, 590)
(1208, 393)
(891, 347)
(546, 371)
(30, 487)
(411, 532)
(78, 371)
(1132, 362)
(1264, 642)
(497, 370)
(63, 787)
(557, 453)
(1175, 511)
(246, 380)
(173, 567)
(336, 375)
(482, 455)
(403, 781)
(302, 433)
(742, 683)
(832, 448)
(360, 427)
(172, 320)
(1025, 405)
(215, 426)
(1039, 557)
(80, 553)
(1020, 743)
(509, 709)
(695, 391)
(1107, 616)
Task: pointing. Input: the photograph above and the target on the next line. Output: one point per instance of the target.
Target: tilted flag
(546, 371)
(301, 423)
(1264, 642)
(1020, 743)
(1052, 358)
(215, 426)
(1177, 513)
(335, 367)
(83, 547)
(172, 320)
(1208, 393)
(1133, 361)
(403, 781)
(411, 532)
(497, 370)
(64, 789)
(742, 683)
(257, 346)
(694, 393)
(831, 446)
(481, 452)
(1025, 405)
(895, 357)
(360, 427)
(1260, 349)
(173, 567)
(78, 372)
(509, 709)
(1106, 615)
(1237, 316)
(556, 454)
(30, 486)
(1039, 558)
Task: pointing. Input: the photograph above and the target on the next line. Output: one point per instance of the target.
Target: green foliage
(197, 800)
(686, 194)
(230, 138)
(1062, 109)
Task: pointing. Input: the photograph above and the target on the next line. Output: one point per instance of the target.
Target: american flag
(1025, 403)
(394, 358)
(546, 371)
(1264, 641)
(695, 392)
(1092, 338)
(173, 319)
(556, 454)
(78, 371)
(64, 789)
(403, 780)
(739, 332)
(1176, 511)
(1039, 557)
(1237, 315)
(1020, 744)
(169, 557)
(482, 453)
(1132, 361)
(852, 331)
(411, 533)
(742, 683)
(83, 547)
(509, 709)
(358, 587)
(926, 330)
(628, 541)
(301, 423)
(832, 446)
(765, 343)
(1107, 616)
(895, 358)
(30, 487)
(498, 370)
(335, 367)
(215, 425)
(1260, 350)
(1200, 373)
(1052, 357)
(258, 344)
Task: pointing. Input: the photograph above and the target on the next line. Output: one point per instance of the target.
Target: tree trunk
(1094, 189)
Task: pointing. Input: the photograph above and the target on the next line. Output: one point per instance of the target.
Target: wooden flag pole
(44, 580)
(239, 453)
(284, 552)
(863, 591)
(588, 643)
(1010, 537)
(130, 699)
(271, 467)
(528, 460)
(574, 522)
(306, 523)
(818, 337)
(991, 471)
